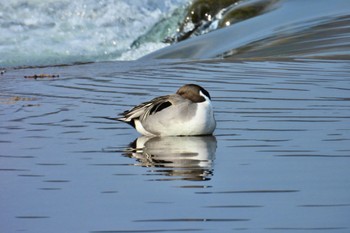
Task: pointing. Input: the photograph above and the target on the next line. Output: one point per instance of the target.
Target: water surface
(278, 161)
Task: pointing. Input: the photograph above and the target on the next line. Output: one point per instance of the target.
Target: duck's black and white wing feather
(145, 109)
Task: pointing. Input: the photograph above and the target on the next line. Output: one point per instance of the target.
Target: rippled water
(278, 161)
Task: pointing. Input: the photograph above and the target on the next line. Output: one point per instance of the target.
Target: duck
(188, 112)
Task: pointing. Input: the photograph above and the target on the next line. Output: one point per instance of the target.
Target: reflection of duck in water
(188, 112)
(190, 158)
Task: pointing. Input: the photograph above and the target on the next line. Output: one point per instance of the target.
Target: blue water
(278, 161)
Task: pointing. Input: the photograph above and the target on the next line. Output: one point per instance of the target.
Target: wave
(63, 31)
(288, 29)
(54, 32)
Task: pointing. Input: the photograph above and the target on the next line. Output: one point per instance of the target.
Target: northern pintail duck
(188, 112)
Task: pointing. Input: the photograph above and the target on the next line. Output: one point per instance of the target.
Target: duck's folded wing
(147, 108)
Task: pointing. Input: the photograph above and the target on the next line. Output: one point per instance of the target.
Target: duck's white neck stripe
(205, 97)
